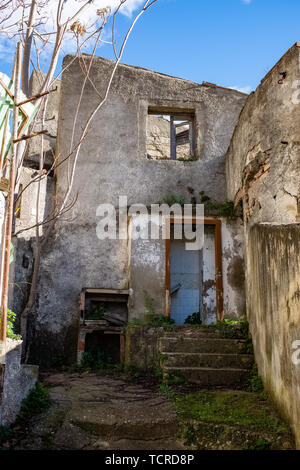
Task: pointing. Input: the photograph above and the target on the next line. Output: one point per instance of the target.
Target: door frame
(217, 224)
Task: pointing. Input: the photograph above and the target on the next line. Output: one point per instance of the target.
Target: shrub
(36, 402)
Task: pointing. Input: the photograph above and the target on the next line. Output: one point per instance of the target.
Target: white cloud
(247, 1)
(245, 89)
(90, 14)
(47, 11)
(46, 19)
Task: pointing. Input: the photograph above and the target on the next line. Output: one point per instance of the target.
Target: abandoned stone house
(159, 138)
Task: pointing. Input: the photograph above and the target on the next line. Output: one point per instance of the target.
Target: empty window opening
(170, 137)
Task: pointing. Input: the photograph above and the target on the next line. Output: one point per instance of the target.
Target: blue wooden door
(186, 281)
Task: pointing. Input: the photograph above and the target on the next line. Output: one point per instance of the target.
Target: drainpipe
(9, 213)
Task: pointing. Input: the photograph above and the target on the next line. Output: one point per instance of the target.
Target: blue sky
(227, 42)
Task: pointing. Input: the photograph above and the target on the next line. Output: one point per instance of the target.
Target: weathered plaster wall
(263, 161)
(274, 312)
(263, 173)
(148, 274)
(113, 162)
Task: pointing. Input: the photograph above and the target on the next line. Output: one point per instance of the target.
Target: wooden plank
(219, 271)
(106, 291)
(172, 139)
(111, 298)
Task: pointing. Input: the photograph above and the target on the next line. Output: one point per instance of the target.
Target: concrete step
(193, 332)
(184, 344)
(211, 360)
(206, 376)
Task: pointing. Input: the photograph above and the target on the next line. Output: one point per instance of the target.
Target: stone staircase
(203, 357)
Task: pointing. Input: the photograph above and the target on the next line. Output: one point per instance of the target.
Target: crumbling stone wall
(262, 172)
(263, 161)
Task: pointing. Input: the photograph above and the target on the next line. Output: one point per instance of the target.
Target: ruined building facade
(160, 139)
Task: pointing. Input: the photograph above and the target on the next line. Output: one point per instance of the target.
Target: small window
(170, 136)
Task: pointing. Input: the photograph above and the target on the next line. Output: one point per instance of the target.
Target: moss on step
(238, 408)
(228, 420)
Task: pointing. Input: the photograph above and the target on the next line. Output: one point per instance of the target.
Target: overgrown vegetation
(174, 378)
(189, 435)
(36, 402)
(190, 159)
(172, 199)
(11, 318)
(232, 329)
(259, 444)
(222, 209)
(167, 391)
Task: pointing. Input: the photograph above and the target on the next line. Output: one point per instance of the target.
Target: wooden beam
(172, 139)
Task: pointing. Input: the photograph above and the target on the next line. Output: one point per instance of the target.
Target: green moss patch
(240, 408)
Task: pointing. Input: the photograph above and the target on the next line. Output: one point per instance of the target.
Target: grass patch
(242, 409)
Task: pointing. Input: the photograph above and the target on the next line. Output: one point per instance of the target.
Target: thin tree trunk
(27, 48)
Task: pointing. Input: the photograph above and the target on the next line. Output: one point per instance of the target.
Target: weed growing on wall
(221, 209)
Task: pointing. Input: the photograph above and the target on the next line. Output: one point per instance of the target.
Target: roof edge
(203, 84)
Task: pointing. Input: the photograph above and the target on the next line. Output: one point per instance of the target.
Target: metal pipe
(10, 208)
